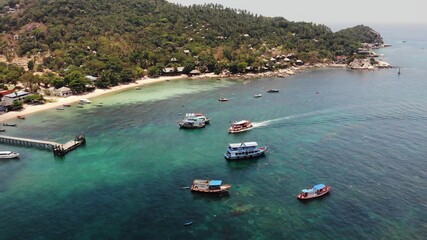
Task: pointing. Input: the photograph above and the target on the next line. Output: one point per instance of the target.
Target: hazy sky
(332, 11)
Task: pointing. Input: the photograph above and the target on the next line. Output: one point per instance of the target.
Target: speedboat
(244, 150)
(8, 155)
(223, 99)
(258, 95)
(209, 186)
(314, 192)
(240, 126)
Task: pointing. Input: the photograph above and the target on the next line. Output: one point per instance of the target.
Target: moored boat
(273, 91)
(21, 117)
(223, 99)
(2, 130)
(66, 105)
(258, 95)
(209, 186)
(314, 192)
(240, 126)
(60, 108)
(8, 155)
(198, 115)
(9, 124)
(195, 122)
(85, 101)
(244, 150)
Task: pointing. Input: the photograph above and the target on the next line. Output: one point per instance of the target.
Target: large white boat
(192, 121)
(240, 126)
(8, 155)
(244, 150)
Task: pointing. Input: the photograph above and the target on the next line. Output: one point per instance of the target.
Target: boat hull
(185, 126)
(239, 131)
(323, 193)
(224, 189)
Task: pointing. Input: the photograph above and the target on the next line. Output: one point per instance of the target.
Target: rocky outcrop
(361, 64)
(366, 64)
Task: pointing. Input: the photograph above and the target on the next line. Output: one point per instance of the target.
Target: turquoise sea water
(364, 134)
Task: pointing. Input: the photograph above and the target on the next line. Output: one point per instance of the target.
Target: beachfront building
(63, 92)
(9, 99)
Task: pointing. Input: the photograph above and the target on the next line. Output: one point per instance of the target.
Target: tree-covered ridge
(362, 34)
(118, 41)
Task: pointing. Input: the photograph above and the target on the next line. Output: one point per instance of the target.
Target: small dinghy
(188, 223)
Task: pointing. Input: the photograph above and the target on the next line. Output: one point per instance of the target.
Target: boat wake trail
(296, 116)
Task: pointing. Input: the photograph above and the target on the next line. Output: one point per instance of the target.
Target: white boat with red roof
(240, 126)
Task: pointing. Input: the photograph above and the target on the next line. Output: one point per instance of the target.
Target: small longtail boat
(209, 186)
(314, 192)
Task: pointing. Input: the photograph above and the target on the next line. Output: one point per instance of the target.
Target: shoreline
(60, 101)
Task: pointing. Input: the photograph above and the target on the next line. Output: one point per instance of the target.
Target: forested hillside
(121, 40)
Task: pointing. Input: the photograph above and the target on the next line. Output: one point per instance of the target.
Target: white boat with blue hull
(244, 150)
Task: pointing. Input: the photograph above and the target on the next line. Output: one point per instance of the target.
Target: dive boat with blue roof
(209, 186)
(244, 150)
(314, 192)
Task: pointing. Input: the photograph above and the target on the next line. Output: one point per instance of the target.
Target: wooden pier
(57, 148)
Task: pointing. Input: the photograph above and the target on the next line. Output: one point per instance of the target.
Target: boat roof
(319, 186)
(315, 188)
(241, 122)
(215, 183)
(243, 144)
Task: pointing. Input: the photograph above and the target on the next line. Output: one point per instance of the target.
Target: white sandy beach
(59, 101)
(56, 102)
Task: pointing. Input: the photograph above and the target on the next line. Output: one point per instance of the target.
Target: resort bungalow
(64, 92)
(194, 72)
(9, 99)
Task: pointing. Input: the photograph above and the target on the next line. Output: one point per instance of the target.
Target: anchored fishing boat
(244, 150)
(192, 116)
(8, 155)
(209, 186)
(240, 126)
(314, 192)
(85, 101)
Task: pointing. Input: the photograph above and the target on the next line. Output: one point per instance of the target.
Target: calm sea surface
(363, 133)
